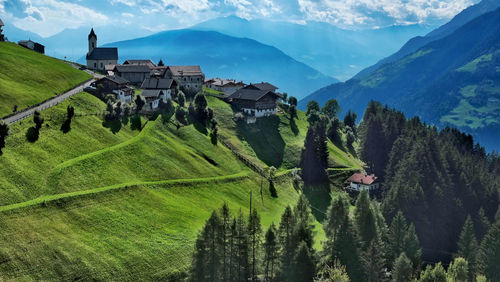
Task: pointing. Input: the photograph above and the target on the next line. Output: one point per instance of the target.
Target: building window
(92, 44)
(95, 65)
(102, 65)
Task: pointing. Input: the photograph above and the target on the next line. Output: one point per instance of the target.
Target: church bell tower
(92, 40)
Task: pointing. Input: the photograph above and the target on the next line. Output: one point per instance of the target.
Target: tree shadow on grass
(115, 125)
(265, 139)
(293, 127)
(319, 199)
(198, 125)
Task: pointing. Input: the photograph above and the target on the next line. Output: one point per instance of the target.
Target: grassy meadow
(273, 141)
(28, 78)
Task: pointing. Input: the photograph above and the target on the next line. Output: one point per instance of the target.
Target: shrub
(32, 134)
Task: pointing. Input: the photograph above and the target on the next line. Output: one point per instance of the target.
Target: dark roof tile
(103, 54)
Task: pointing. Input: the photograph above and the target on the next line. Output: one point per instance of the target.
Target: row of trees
(359, 246)
(235, 248)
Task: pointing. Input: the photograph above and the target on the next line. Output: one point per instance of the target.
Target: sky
(49, 17)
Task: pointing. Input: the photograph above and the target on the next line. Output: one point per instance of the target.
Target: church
(98, 58)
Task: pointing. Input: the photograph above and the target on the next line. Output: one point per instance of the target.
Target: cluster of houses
(159, 83)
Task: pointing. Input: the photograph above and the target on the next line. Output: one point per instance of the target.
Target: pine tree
(397, 233)
(402, 269)
(303, 265)
(271, 251)
(4, 132)
(468, 246)
(254, 233)
(412, 247)
(213, 245)
(438, 273)
(242, 245)
(285, 233)
(482, 224)
(233, 253)
(312, 107)
(373, 262)
(458, 271)
(198, 268)
(364, 219)
(331, 108)
(38, 120)
(225, 233)
(139, 103)
(489, 256)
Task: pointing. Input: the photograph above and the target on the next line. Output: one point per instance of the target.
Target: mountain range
(453, 80)
(336, 52)
(225, 56)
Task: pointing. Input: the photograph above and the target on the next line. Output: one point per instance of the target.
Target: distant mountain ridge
(418, 42)
(451, 81)
(336, 52)
(225, 56)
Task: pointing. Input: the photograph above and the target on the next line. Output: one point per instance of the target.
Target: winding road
(25, 113)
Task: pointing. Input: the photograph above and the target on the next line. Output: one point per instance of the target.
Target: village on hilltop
(159, 83)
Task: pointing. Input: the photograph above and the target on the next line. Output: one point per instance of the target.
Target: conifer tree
(242, 245)
(342, 242)
(213, 245)
(438, 273)
(402, 269)
(4, 132)
(489, 255)
(254, 234)
(303, 265)
(270, 251)
(397, 233)
(482, 224)
(139, 103)
(364, 219)
(373, 262)
(458, 271)
(331, 108)
(292, 101)
(468, 246)
(38, 120)
(412, 247)
(233, 253)
(198, 266)
(285, 234)
(225, 232)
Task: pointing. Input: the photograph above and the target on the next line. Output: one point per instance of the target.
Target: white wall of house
(99, 64)
(360, 187)
(260, 113)
(122, 96)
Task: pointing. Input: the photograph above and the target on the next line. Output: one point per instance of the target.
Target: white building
(361, 181)
(98, 58)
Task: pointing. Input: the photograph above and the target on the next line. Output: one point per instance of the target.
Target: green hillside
(272, 141)
(93, 204)
(28, 78)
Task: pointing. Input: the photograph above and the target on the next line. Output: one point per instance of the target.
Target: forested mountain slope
(453, 81)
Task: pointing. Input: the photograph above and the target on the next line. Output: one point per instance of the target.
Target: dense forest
(437, 218)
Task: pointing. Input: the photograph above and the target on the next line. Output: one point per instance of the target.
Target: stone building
(99, 57)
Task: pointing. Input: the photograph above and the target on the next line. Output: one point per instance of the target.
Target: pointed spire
(92, 34)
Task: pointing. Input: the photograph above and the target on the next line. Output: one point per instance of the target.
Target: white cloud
(127, 15)
(349, 13)
(49, 17)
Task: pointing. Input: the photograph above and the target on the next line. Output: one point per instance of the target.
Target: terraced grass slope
(272, 141)
(96, 205)
(28, 78)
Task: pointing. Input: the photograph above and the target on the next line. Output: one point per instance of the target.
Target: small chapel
(99, 57)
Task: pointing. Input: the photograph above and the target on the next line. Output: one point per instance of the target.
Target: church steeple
(92, 40)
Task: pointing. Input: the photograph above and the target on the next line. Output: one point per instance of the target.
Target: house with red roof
(362, 181)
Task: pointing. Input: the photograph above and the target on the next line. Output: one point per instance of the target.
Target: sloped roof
(148, 63)
(103, 54)
(250, 94)
(265, 86)
(157, 83)
(116, 79)
(132, 68)
(362, 178)
(151, 93)
(185, 70)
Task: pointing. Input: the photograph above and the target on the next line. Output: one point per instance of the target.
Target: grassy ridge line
(50, 198)
(140, 136)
